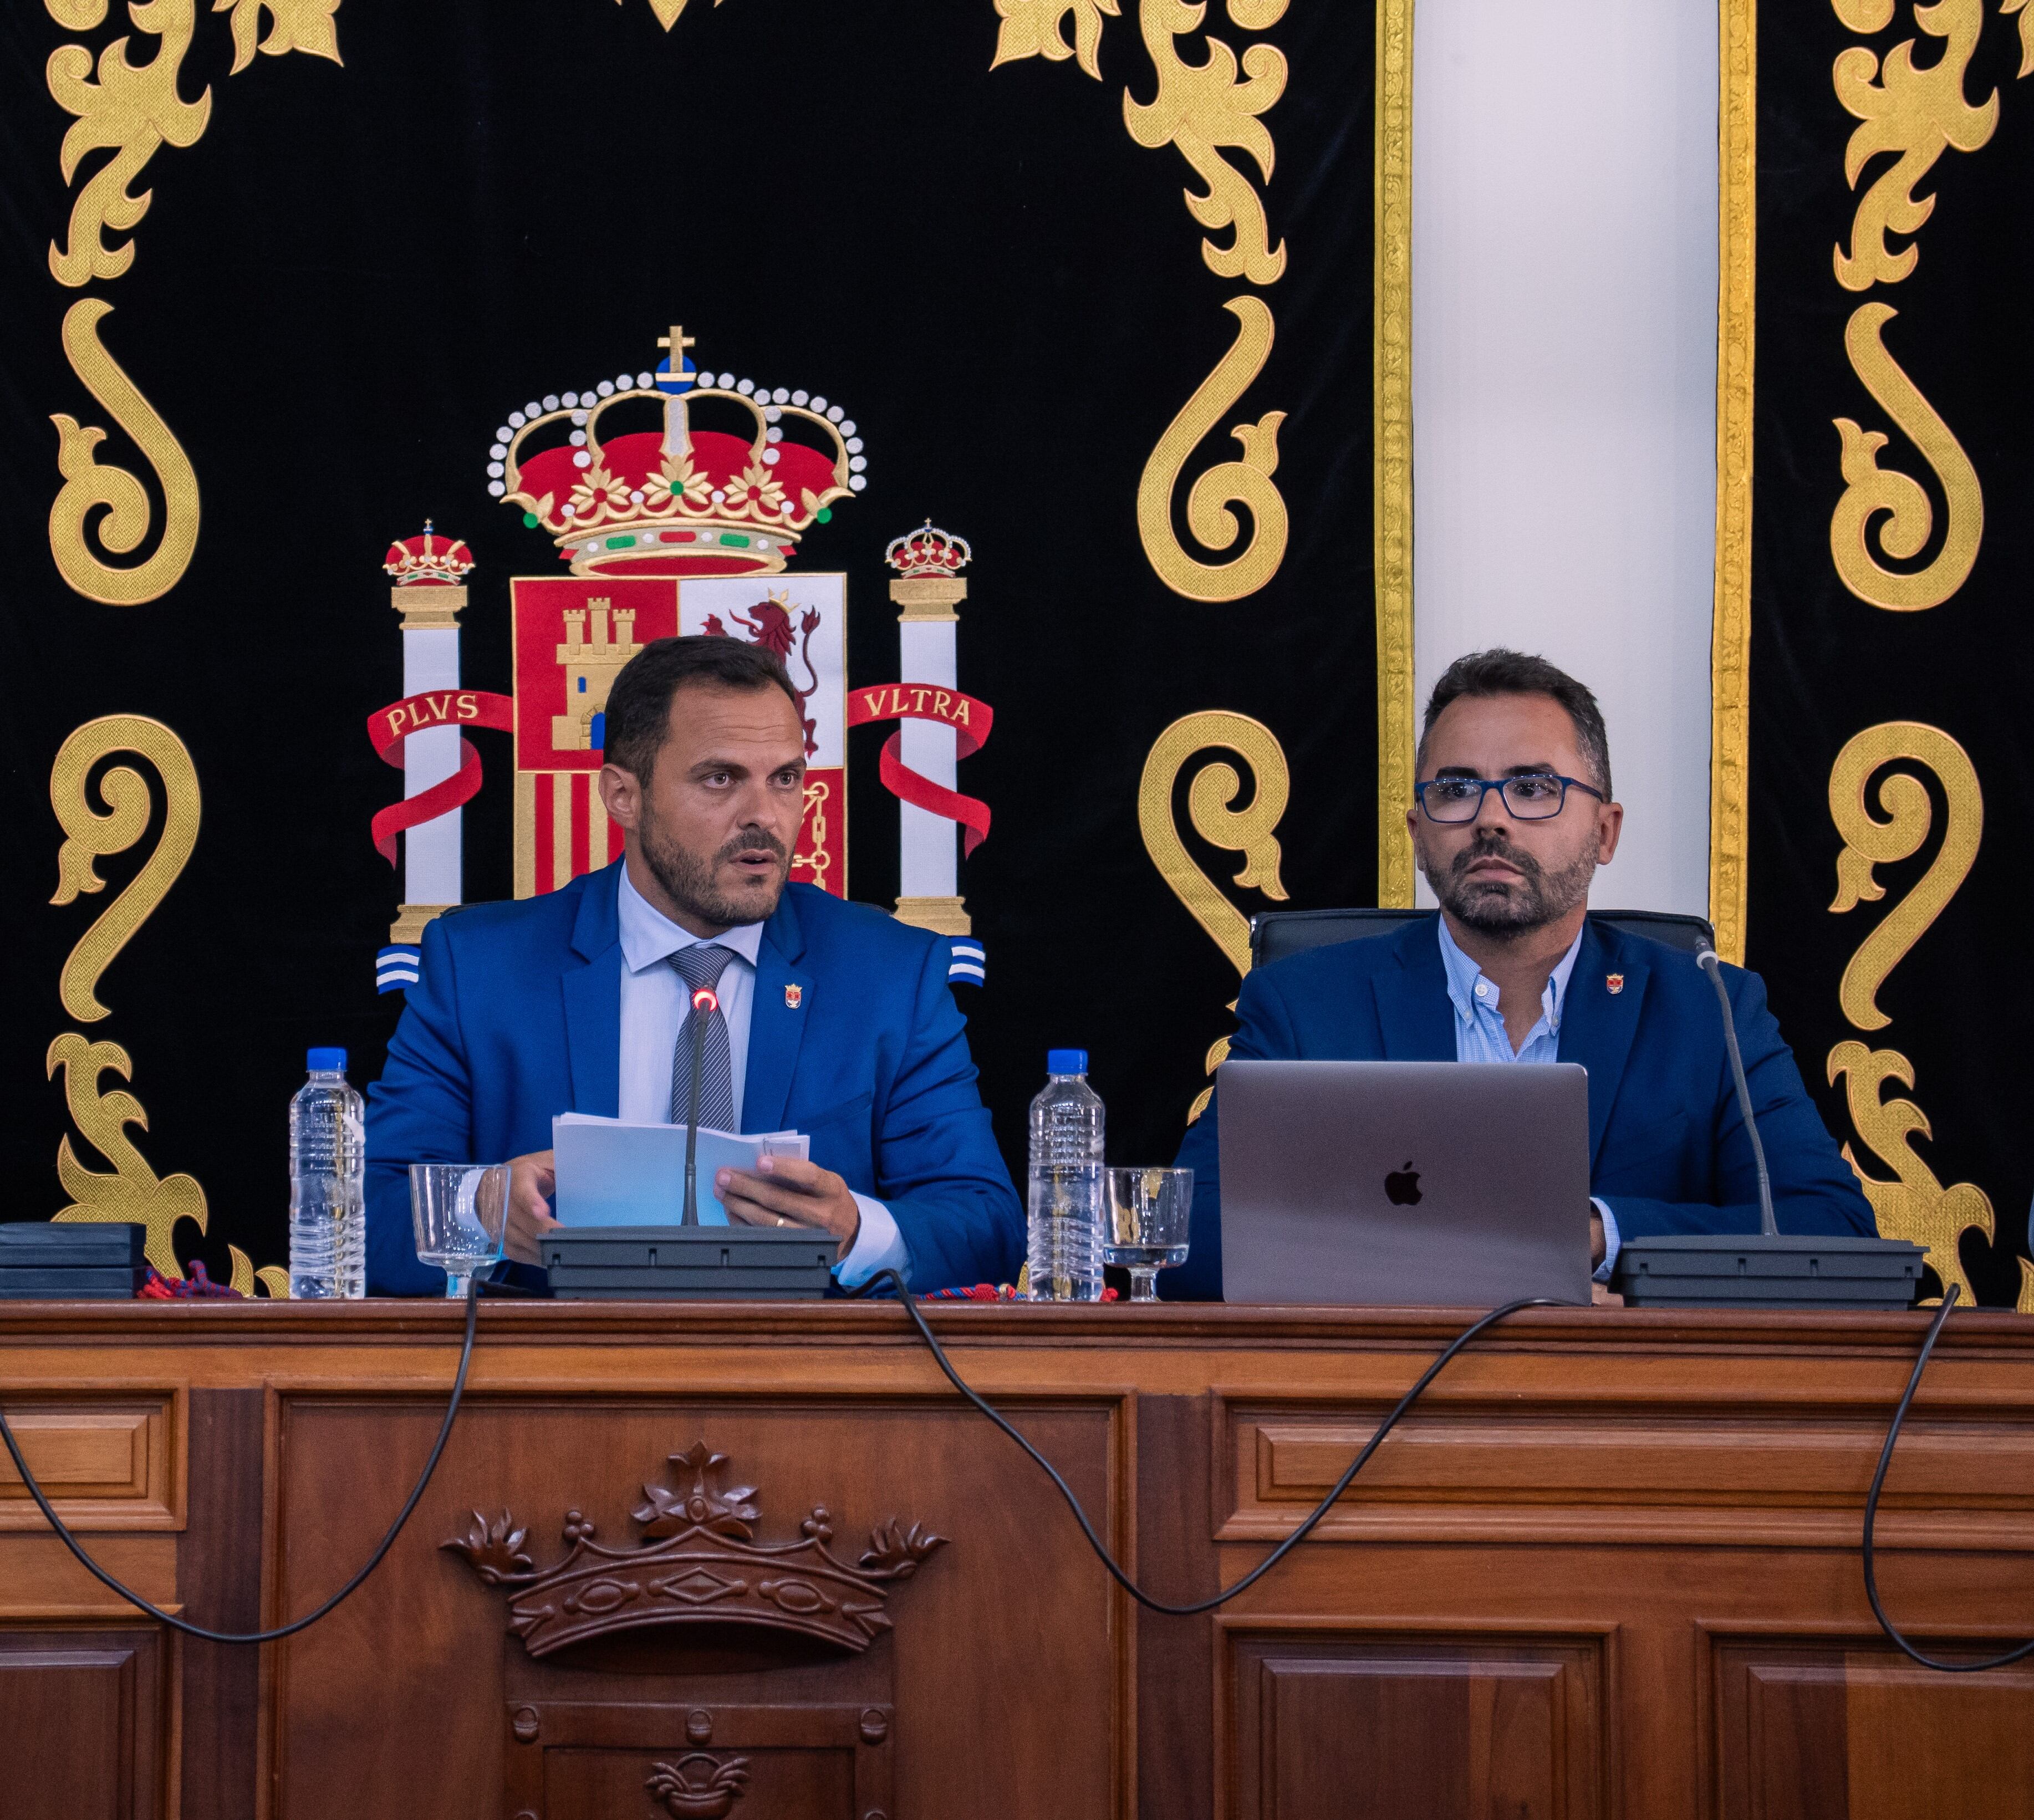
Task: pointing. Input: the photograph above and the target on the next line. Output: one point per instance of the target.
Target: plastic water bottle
(327, 1183)
(1066, 1187)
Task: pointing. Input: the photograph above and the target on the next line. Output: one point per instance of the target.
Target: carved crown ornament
(697, 1562)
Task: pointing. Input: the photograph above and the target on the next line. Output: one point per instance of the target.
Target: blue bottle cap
(326, 1061)
(1066, 1061)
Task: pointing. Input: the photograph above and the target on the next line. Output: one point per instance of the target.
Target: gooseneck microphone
(1707, 959)
(705, 1002)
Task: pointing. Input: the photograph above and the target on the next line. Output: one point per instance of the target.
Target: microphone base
(690, 1264)
(1750, 1271)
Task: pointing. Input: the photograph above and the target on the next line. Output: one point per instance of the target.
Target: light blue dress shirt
(655, 1000)
(1480, 1036)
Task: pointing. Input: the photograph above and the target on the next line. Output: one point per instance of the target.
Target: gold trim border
(1391, 402)
(1730, 646)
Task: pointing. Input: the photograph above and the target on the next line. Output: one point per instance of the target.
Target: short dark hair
(1499, 671)
(639, 701)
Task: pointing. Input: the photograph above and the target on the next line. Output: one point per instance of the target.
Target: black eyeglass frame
(1486, 785)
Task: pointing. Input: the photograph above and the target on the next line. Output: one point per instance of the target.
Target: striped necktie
(702, 966)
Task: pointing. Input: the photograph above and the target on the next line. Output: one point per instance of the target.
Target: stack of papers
(613, 1173)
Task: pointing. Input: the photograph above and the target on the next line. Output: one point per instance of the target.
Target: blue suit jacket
(518, 1016)
(1668, 1149)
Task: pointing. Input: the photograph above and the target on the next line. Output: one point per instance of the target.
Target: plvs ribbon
(971, 720)
(388, 727)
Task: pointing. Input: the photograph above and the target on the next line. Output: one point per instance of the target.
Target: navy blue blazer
(1668, 1149)
(518, 1016)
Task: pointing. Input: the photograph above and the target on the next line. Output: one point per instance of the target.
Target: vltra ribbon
(388, 727)
(971, 720)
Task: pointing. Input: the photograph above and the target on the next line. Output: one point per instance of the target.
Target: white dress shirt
(1481, 1036)
(654, 1001)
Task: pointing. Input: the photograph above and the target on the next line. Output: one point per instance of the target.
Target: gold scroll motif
(131, 1192)
(305, 25)
(1038, 28)
(1210, 800)
(1870, 490)
(1204, 109)
(130, 111)
(1914, 1206)
(1869, 842)
(92, 834)
(89, 485)
(1247, 481)
(1918, 113)
(2007, 7)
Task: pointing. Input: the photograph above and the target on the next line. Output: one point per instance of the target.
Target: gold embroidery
(1391, 410)
(275, 1280)
(1869, 842)
(1730, 646)
(1038, 28)
(88, 484)
(1914, 1207)
(131, 1191)
(91, 835)
(817, 791)
(1245, 482)
(1210, 799)
(298, 25)
(129, 111)
(1916, 112)
(1201, 109)
(1871, 489)
(2026, 68)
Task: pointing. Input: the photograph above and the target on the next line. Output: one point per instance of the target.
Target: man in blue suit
(819, 1016)
(1513, 816)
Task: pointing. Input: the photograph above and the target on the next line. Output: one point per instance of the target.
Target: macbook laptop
(1446, 1184)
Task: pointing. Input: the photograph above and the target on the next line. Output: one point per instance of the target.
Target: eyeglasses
(1537, 796)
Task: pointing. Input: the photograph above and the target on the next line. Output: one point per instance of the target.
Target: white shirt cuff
(1611, 1241)
(879, 1246)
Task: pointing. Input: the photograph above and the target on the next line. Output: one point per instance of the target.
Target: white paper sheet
(612, 1173)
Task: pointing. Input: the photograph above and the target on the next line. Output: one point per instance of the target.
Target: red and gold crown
(624, 492)
(930, 551)
(428, 560)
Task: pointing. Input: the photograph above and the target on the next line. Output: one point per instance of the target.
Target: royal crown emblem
(428, 560)
(678, 472)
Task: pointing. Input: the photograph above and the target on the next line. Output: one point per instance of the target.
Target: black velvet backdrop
(1825, 665)
(343, 285)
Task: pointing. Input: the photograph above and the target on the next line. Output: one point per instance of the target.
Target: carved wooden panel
(109, 1463)
(1328, 1726)
(1590, 1475)
(81, 1714)
(1822, 1732)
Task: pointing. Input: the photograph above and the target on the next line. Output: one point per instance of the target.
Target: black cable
(1871, 1517)
(1707, 959)
(373, 1561)
(1285, 1547)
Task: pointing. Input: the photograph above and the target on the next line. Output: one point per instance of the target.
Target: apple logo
(1401, 1186)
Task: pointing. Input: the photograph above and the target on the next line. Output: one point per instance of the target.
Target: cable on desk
(1285, 1547)
(310, 1618)
(2016, 1654)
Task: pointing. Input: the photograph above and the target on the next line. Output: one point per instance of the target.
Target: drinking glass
(1144, 1224)
(459, 1211)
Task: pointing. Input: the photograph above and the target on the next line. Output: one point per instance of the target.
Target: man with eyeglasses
(1513, 814)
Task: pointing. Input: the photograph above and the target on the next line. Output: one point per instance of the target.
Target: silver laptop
(1449, 1184)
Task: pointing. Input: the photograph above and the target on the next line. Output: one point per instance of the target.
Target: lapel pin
(1613, 983)
(795, 995)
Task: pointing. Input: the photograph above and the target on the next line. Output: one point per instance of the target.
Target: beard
(1508, 908)
(688, 878)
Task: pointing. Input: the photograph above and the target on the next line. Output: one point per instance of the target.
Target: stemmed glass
(1145, 1224)
(460, 1213)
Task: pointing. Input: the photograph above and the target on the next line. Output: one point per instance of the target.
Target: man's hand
(782, 1191)
(531, 1179)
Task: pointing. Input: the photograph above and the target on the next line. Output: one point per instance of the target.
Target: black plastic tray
(1748, 1270)
(117, 1284)
(46, 1245)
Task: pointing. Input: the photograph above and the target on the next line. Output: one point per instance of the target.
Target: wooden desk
(1609, 1567)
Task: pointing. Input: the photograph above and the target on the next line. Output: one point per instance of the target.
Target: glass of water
(459, 1211)
(1145, 1218)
